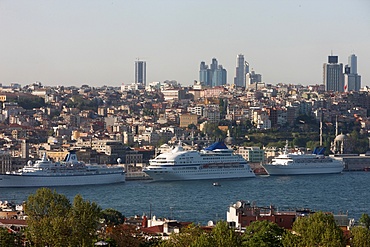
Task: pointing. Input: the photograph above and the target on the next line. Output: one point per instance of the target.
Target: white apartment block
(197, 110)
(252, 154)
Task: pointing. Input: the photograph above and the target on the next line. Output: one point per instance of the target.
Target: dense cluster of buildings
(130, 122)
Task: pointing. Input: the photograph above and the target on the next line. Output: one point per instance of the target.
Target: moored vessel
(214, 162)
(303, 164)
(45, 173)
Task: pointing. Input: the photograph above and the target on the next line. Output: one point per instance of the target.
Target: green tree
(47, 219)
(53, 221)
(318, 229)
(112, 216)
(290, 239)
(360, 236)
(204, 240)
(6, 238)
(224, 236)
(77, 101)
(31, 102)
(263, 233)
(300, 141)
(365, 220)
(191, 235)
(126, 236)
(192, 127)
(84, 219)
(312, 144)
(213, 131)
(194, 236)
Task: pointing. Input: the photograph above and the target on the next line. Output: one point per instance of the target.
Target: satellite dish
(119, 160)
(238, 204)
(210, 223)
(29, 163)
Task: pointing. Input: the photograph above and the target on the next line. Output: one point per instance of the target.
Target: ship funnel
(71, 157)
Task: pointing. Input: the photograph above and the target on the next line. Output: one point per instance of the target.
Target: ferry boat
(44, 173)
(214, 162)
(302, 164)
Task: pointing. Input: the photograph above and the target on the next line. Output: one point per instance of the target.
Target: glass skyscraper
(242, 68)
(140, 72)
(352, 63)
(352, 80)
(333, 75)
(203, 73)
(213, 75)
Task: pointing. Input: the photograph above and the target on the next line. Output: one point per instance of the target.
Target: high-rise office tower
(253, 78)
(352, 63)
(140, 72)
(213, 75)
(333, 75)
(203, 73)
(352, 80)
(214, 64)
(242, 68)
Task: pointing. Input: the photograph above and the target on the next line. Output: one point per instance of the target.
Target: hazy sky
(96, 42)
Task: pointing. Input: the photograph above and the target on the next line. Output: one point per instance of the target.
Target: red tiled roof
(13, 222)
(153, 229)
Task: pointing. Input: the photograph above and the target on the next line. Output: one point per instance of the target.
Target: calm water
(200, 201)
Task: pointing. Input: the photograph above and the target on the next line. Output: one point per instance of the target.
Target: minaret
(321, 132)
(336, 126)
(192, 137)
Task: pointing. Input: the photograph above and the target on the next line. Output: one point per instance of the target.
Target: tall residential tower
(140, 72)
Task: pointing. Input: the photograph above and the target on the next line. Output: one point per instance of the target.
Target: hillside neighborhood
(133, 123)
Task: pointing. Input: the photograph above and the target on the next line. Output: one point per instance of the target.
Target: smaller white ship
(302, 164)
(44, 173)
(214, 162)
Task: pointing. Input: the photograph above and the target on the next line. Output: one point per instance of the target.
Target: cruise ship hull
(196, 173)
(281, 170)
(19, 181)
(214, 162)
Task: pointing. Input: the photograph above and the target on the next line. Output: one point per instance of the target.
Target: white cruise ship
(215, 162)
(301, 164)
(45, 173)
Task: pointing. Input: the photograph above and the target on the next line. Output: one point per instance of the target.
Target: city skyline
(97, 43)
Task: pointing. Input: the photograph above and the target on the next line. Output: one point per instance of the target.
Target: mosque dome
(340, 138)
(229, 140)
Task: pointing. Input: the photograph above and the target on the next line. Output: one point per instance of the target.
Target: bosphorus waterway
(200, 201)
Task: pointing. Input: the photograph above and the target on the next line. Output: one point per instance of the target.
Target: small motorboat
(216, 184)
